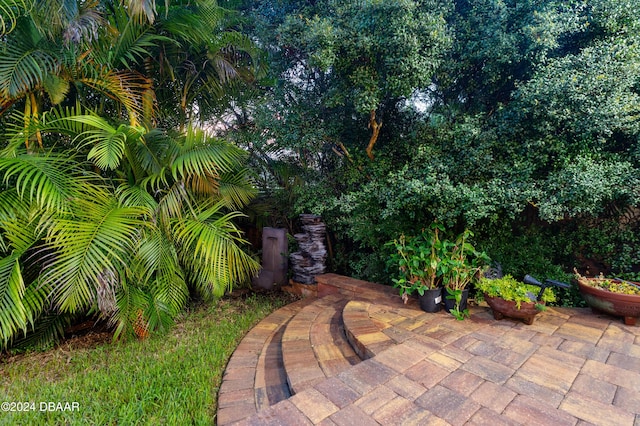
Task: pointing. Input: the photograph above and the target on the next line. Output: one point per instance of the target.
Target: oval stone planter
(505, 308)
(622, 305)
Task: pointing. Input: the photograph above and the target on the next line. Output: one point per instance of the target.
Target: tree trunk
(375, 126)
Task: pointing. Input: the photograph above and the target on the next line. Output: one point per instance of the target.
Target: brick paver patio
(570, 367)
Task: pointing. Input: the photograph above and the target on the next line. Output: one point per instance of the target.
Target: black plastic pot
(431, 300)
(450, 304)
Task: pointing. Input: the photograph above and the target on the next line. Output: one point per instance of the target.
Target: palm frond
(20, 304)
(133, 43)
(35, 300)
(136, 196)
(24, 230)
(52, 182)
(54, 121)
(158, 314)
(141, 10)
(58, 120)
(13, 313)
(152, 151)
(210, 13)
(129, 88)
(84, 24)
(10, 11)
(234, 55)
(193, 25)
(23, 65)
(155, 291)
(211, 250)
(196, 161)
(204, 184)
(48, 329)
(69, 21)
(235, 189)
(157, 182)
(162, 274)
(12, 205)
(108, 143)
(174, 202)
(202, 154)
(52, 17)
(155, 254)
(99, 238)
(108, 148)
(225, 70)
(131, 303)
(57, 88)
(12, 209)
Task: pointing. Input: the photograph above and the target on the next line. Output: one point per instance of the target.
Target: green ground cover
(165, 379)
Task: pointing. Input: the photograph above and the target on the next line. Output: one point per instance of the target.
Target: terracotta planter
(506, 308)
(623, 305)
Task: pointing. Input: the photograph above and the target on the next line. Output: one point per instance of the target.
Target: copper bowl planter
(506, 308)
(624, 305)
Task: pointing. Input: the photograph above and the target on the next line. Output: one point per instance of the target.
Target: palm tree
(100, 212)
(195, 68)
(102, 53)
(153, 227)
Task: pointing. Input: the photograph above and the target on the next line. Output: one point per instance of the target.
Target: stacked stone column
(309, 260)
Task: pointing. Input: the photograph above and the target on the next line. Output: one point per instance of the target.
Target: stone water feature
(309, 260)
(274, 259)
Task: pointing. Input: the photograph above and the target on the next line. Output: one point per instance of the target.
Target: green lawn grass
(170, 379)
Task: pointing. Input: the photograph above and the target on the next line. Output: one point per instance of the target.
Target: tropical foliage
(101, 210)
(518, 119)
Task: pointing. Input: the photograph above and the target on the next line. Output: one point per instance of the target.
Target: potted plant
(508, 297)
(417, 259)
(612, 296)
(461, 265)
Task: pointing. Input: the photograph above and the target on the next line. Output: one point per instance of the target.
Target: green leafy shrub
(461, 263)
(418, 260)
(510, 289)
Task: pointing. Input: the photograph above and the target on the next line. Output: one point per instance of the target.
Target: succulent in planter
(615, 285)
(511, 298)
(417, 259)
(510, 289)
(613, 296)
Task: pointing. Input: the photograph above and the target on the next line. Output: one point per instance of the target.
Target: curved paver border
(569, 367)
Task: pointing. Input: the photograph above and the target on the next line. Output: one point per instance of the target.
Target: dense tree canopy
(521, 123)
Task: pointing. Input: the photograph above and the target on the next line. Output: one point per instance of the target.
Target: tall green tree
(499, 44)
(355, 57)
(526, 123)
